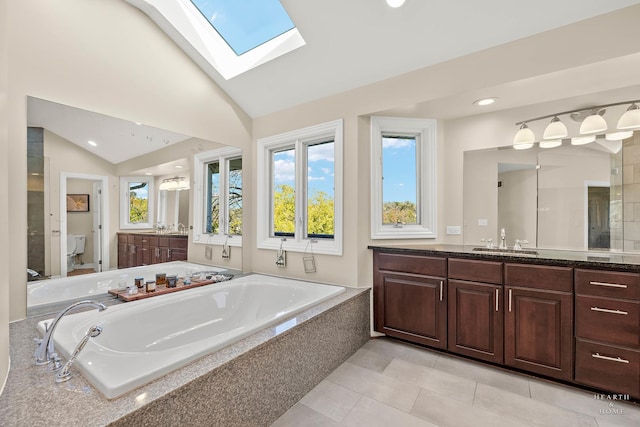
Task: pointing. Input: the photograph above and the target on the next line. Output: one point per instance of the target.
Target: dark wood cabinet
(136, 249)
(475, 316)
(409, 305)
(608, 330)
(538, 321)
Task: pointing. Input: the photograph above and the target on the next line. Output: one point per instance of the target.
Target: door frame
(104, 214)
(588, 184)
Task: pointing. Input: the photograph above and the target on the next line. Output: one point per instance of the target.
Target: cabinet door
(123, 260)
(177, 254)
(476, 320)
(538, 331)
(415, 308)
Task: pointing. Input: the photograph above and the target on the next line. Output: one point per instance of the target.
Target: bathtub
(72, 288)
(146, 339)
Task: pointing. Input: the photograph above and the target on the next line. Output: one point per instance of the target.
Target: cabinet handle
(606, 310)
(608, 285)
(168, 253)
(510, 294)
(441, 285)
(497, 309)
(612, 359)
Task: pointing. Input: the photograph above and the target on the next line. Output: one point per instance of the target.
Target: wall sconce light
(593, 124)
(174, 184)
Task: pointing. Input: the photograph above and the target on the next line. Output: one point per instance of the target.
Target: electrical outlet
(454, 229)
(483, 222)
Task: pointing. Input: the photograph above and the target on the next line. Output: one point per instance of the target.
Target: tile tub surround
(391, 383)
(251, 382)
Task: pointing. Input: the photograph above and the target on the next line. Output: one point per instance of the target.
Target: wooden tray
(163, 289)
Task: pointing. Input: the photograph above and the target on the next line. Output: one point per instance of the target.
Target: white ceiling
(117, 140)
(358, 42)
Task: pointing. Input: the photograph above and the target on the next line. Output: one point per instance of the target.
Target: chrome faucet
(503, 239)
(65, 375)
(45, 352)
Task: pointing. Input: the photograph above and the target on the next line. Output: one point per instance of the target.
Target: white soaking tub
(146, 339)
(72, 288)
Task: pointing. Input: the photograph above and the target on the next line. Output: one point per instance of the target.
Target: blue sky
(245, 24)
(398, 170)
(320, 170)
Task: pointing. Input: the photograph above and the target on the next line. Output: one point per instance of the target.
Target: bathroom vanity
(565, 315)
(136, 249)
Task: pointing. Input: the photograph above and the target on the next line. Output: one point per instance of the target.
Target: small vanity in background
(561, 314)
(136, 249)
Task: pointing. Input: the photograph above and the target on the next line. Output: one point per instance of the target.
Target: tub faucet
(503, 239)
(65, 375)
(45, 352)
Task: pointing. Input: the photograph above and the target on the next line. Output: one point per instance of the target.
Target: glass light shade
(593, 124)
(630, 119)
(581, 140)
(618, 136)
(395, 3)
(556, 129)
(174, 184)
(524, 136)
(551, 143)
(523, 146)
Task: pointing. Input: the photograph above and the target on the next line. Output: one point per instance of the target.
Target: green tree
(320, 214)
(138, 208)
(399, 212)
(284, 209)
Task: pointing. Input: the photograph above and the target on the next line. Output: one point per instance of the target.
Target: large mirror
(76, 162)
(573, 197)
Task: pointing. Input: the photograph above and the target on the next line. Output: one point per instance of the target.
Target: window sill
(208, 239)
(320, 248)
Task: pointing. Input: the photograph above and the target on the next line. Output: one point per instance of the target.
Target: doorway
(89, 220)
(598, 217)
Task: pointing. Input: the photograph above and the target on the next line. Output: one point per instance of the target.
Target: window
(218, 197)
(226, 37)
(136, 202)
(403, 178)
(300, 198)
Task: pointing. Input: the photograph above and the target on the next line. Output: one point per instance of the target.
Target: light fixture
(148, 173)
(395, 3)
(524, 138)
(550, 143)
(484, 101)
(92, 143)
(174, 184)
(582, 140)
(554, 130)
(631, 118)
(593, 124)
(618, 136)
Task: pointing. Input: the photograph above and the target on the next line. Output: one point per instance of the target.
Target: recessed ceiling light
(395, 3)
(484, 101)
(91, 143)
(178, 166)
(35, 173)
(138, 123)
(148, 173)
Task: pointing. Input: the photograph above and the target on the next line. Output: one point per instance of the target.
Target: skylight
(246, 24)
(225, 37)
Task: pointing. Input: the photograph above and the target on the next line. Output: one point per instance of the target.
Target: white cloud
(397, 143)
(284, 170)
(321, 152)
(316, 178)
(326, 171)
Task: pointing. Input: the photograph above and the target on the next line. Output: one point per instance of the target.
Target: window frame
(299, 139)
(426, 176)
(125, 224)
(200, 162)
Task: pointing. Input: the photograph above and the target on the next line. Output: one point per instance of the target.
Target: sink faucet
(503, 239)
(45, 352)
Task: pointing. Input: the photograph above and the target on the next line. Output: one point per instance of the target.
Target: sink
(498, 251)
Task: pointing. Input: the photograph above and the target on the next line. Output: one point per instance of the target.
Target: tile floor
(389, 383)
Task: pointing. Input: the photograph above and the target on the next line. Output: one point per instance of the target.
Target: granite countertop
(604, 260)
(31, 396)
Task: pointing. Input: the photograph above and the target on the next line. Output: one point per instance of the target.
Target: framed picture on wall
(77, 203)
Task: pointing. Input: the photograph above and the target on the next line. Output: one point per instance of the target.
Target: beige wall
(4, 200)
(59, 53)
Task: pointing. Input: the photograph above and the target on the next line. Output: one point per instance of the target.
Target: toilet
(75, 246)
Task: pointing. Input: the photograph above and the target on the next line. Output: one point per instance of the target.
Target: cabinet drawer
(122, 238)
(428, 266)
(163, 241)
(608, 367)
(475, 271)
(539, 277)
(153, 241)
(608, 284)
(609, 320)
